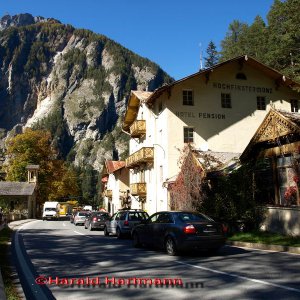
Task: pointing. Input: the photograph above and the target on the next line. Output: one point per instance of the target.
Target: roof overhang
(135, 99)
(279, 78)
(11, 188)
(276, 124)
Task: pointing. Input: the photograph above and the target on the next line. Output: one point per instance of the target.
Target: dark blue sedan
(177, 231)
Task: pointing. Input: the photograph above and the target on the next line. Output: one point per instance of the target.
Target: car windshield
(137, 216)
(192, 217)
(50, 209)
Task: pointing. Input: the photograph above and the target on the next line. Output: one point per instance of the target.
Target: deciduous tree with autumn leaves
(56, 179)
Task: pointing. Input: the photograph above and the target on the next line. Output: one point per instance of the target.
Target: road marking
(242, 277)
(64, 224)
(35, 289)
(82, 234)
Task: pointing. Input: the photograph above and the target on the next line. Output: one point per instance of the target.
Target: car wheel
(170, 246)
(136, 240)
(106, 233)
(119, 233)
(90, 227)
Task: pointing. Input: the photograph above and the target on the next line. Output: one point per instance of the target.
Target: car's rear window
(190, 217)
(102, 216)
(137, 216)
(82, 214)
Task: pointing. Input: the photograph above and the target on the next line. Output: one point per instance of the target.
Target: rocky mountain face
(72, 82)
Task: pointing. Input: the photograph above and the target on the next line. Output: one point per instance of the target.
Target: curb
(276, 248)
(12, 225)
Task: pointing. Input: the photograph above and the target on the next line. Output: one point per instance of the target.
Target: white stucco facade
(214, 127)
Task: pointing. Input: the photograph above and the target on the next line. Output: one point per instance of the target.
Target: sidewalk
(14, 226)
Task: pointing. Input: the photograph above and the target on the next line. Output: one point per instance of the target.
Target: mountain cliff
(72, 82)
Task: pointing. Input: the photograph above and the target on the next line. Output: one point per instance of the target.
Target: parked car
(176, 231)
(123, 221)
(80, 217)
(96, 220)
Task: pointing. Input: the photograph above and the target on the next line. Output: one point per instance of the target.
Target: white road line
(242, 277)
(35, 289)
(64, 224)
(82, 234)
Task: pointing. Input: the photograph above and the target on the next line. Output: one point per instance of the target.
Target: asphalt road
(81, 264)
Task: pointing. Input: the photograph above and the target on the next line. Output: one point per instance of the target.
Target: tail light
(94, 219)
(126, 223)
(224, 228)
(189, 229)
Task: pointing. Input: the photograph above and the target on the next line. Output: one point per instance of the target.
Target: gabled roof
(136, 97)
(114, 165)
(212, 161)
(243, 59)
(276, 124)
(11, 188)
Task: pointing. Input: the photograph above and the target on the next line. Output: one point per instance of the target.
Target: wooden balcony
(138, 189)
(144, 155)
(108, 193)
(138, 128)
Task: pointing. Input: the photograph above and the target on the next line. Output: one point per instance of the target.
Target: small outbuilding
(22, 195)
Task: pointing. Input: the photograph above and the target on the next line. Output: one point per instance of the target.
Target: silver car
(122, 222)
(80, 217)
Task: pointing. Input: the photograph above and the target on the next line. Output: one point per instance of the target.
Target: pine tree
(212, 57)
(232, 45)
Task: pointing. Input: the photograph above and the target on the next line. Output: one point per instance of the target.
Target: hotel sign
(200, 115)
(241, 88)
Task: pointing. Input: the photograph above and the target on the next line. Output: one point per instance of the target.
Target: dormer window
(241, 76)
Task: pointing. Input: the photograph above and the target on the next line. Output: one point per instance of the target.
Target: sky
(171, 33)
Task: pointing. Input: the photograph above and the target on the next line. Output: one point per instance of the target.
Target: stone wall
(282, 220)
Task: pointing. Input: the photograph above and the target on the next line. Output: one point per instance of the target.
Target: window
(294, 105)
(187, 97)
(188, 135)
(142, 176)
(226, 100)
(241, 76)
(261, 103)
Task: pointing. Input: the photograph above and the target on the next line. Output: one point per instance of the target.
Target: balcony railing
(144, 155)
(138, 128)
(108, 193)
(138, 189)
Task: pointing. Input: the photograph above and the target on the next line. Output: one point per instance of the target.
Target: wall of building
(215, 128)
(282, 220)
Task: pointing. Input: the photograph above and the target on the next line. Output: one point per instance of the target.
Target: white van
(51, 210)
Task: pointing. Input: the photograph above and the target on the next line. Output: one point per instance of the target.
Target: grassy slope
(266, 238)
(5, 238)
